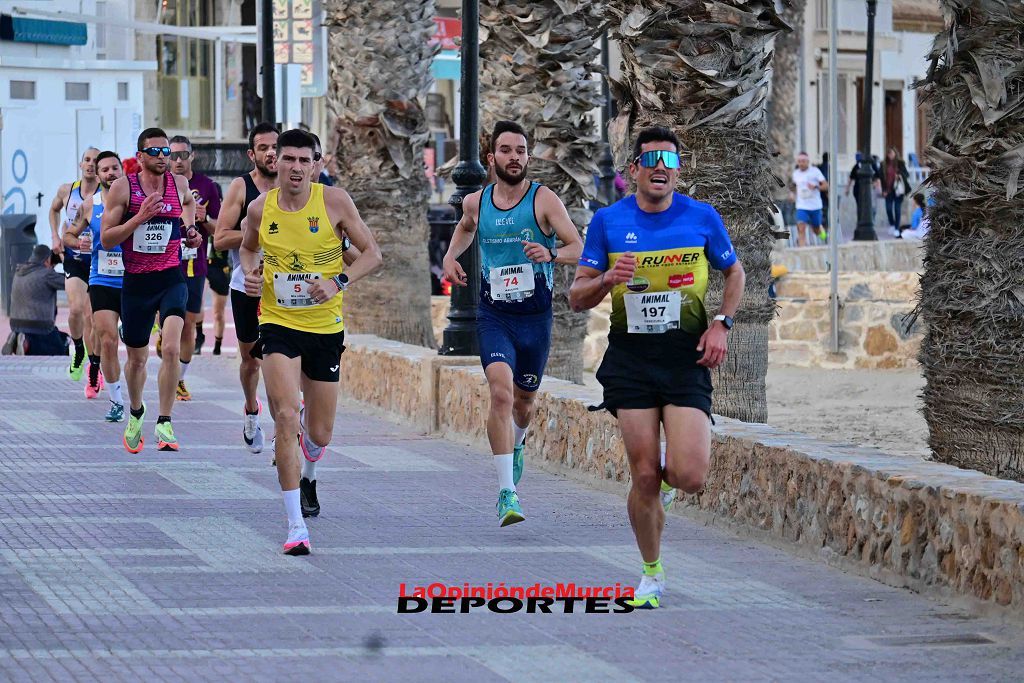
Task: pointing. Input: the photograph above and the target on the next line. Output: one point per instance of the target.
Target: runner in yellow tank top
(299, 248)
(300, 226)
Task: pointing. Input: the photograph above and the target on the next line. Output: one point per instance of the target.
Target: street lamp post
(460, 335)
(606, 186)
(267, 36)
(865, 170)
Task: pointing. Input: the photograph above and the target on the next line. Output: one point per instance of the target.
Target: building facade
(64, 86)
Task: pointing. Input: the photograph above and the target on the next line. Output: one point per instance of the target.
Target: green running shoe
(668, 494)
(509, 511)
(116, 413)
(132, 438)
(75, 370)
(517, 463)
(165, 440)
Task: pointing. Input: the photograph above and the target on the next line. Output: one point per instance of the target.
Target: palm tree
(784, 99)
(380, 60)
(537, 65)
(703, 69)
(972, 288)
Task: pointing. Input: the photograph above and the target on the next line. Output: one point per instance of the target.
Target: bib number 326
(152, 237)
(292, 289)
(652, 313)
(512, 283)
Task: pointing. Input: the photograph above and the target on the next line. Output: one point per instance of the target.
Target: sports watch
(553, 250)
(725, 320)
(340, 281)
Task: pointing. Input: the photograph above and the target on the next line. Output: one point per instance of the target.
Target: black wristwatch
(725, 320)
(340, 281)
(346, 243)
(554, 252)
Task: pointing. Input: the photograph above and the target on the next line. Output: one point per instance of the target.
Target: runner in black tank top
(228, 237)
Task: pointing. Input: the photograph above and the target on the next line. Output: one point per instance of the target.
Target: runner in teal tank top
(519, 224)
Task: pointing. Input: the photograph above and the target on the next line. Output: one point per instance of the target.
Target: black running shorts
(143, 295)
(104, 298)
(195, 286)
(77, 267)
(219, 278)
(320, 353)
(245, 310)
(651, 371)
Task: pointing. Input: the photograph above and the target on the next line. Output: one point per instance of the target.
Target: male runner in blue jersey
(519, 223)
(652, 251)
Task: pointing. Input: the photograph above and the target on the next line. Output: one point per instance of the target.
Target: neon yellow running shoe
(648, 593)
(668, 494)
(132, 438)
(509, 511)
(75, 370)
(165, 440)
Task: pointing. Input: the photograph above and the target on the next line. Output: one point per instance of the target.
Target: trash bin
(17, 237)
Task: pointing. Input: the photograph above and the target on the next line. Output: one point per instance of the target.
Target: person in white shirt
(808, 183)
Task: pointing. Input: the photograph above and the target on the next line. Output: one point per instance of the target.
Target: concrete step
(883, 256)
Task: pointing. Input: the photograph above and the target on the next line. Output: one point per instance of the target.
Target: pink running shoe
(298, 540)
(93, 390)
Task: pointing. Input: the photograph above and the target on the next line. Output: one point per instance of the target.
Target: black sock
(255, 412)
(163, 418)
(79, 350)
(139, 412)
(94, 369)
(199, 328)
(94, 359)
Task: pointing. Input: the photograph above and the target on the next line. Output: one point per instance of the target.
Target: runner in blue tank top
(105, 276)
(518, 223)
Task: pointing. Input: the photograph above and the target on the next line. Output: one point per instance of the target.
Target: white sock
(504, 465)
(518, 433)
(184, 369)
(309, 470)
(114, 392)
(662, 456)
(293, 507)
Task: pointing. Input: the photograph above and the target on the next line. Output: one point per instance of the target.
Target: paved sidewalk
(165, 566)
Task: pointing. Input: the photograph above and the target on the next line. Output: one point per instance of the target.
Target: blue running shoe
(517, 463)
(116, 413)
(509, 511)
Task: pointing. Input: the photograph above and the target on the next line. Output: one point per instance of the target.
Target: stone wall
(883, 256)
(873, 331)
(923, 525)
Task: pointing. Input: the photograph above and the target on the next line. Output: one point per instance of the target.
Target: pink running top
(156, 244)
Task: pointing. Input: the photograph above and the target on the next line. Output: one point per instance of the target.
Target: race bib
(512, 283)
(110, 263)
(188, 253)
(652, 313)
(152, 237)
(292, 289)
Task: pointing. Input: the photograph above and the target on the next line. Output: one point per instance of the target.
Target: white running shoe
(648, 593)
(252, 433)
(668, 494)
(298, 540)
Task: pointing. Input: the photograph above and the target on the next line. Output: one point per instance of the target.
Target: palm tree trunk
(537, 62)
(379, 75)
(784, 99)
(972, 288)
(703, 69)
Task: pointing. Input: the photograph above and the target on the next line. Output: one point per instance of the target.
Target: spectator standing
(895, 181)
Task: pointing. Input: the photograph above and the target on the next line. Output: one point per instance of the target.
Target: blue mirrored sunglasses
(156, 151)
(651, 159)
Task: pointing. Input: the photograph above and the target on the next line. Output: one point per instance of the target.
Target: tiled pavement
(168, 567)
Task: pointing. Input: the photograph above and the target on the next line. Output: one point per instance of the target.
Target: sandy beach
(879, 408)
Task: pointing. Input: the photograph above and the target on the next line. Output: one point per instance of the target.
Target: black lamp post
(460, 335)
(865, 170)
(267, 38)
(606, 186)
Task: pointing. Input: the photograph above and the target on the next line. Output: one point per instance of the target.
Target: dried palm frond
(537, 67)
(703, 69)
(972, 288)
(380, 61)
